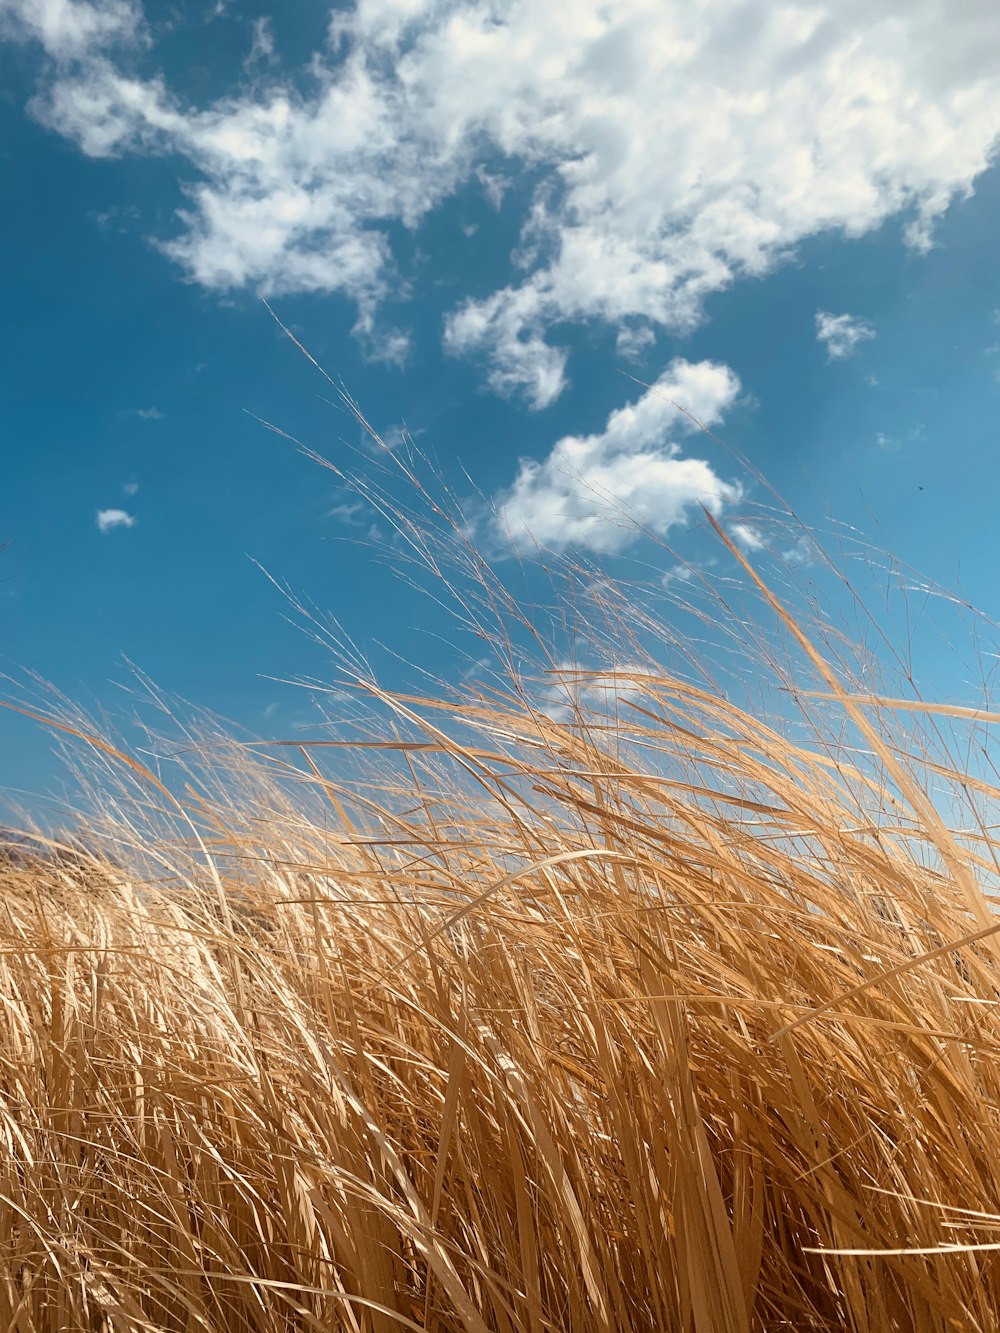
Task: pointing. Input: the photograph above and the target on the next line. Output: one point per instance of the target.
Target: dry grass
(652, 1019)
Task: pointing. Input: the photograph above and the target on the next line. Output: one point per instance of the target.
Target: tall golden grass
(642, 1015)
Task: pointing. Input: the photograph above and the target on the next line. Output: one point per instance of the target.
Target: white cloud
(397, 435)
(262, 45)
(131, 488)
(521, 360)
(69, 29)
(672, 148)
(391, 347)
(679, 573)
(494, 185)
(352, 514)
(593, 490)
(892, 442)
(748, 537)
(149, 413)
(634, 340)
(801, 552)
(570, 690)
(841, 334)
(109, 519)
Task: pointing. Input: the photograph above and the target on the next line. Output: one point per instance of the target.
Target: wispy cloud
(841, 334)
(680, 573)
(746, 536)
(669, 150)
(570, 689)
(130, 487)
(120, 218)
(889, 442)
(801, 552)
(149, 413)
(262, 50)
(354, 513)
(70, 29)
(399, 433)
(109, 519)
(389, 347)
(596, 491)
(634, 340)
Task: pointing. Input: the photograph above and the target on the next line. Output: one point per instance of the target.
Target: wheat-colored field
(631, 1013)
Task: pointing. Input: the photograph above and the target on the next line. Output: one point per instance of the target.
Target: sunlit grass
(628, 1010)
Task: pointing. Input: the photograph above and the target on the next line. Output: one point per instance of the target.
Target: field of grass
(635, 1013)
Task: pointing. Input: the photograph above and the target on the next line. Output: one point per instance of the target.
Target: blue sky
(499, 226)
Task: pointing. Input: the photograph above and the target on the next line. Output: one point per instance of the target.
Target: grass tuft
(596, 1005)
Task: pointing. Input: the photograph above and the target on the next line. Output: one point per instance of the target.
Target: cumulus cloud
(841, 334)
(521, 361)
(670, 149)
(69, 29)
(109, 519)
(596, 491)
